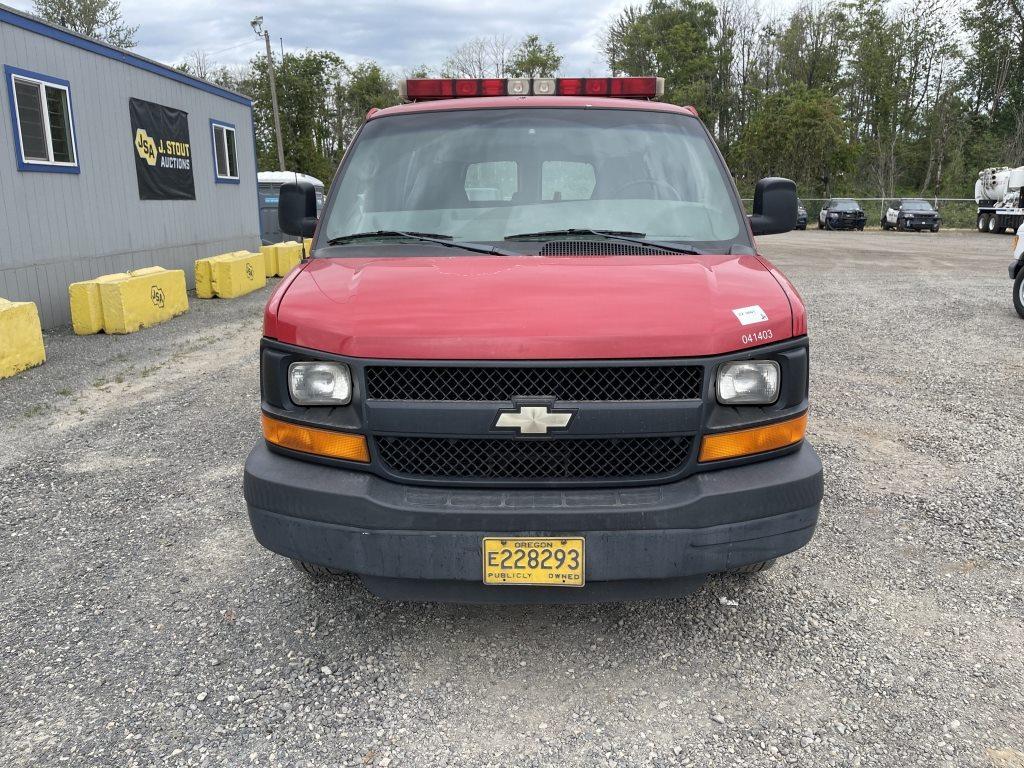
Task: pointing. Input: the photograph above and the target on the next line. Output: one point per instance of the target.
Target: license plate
(534, 561)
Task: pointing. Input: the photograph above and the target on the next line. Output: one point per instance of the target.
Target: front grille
(540, 459)
(503, 383)
(597, 248)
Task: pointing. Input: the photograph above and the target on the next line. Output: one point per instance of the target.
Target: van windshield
(484, 175)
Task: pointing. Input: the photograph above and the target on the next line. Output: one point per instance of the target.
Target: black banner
(163, 153)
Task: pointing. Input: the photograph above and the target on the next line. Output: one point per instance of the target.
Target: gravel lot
(142, 625)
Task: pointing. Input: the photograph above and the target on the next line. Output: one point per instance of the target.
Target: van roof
(532, 102)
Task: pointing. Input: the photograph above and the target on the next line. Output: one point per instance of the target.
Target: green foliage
(671, 39)
(534, 59)
(799, 134)
(96, 18)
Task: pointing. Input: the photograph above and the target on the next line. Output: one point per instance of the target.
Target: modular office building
(110, 162)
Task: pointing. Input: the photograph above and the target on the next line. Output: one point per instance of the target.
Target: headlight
(833, 215)
(750, 382)
(319, 383)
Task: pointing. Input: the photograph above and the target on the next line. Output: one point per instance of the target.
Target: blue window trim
(23, 163)
(31, 24)
(213, 147)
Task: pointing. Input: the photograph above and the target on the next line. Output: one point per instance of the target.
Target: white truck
(998, 195)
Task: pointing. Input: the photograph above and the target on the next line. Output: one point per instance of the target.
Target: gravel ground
(142, 625)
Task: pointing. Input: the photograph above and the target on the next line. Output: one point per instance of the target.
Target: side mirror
(296, 209)
(774, 206)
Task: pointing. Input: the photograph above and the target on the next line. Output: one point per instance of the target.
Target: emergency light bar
(428, 89)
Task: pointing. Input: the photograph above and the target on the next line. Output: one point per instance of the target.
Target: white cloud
(399, 34)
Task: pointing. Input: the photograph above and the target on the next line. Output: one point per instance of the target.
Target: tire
(744, 570)
(983, 222)
(935, 228)
(993, 225)
(885, 225)
(318, 571)
(1018, 293)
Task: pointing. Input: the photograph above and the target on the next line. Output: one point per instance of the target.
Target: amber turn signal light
(746, 442)
(320, 442)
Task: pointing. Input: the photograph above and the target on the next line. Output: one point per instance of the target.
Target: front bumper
(920, 224)
(425, 543)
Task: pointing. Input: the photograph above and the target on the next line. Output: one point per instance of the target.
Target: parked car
(910, 213)
(1017, 271)
(842, 213)
(801, 214)
(584, 384)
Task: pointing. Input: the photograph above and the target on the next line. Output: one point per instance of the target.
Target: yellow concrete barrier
(86, 312)
(281, 258)
(21, 338)
(230, 275)
(147, 297)
(307, 244)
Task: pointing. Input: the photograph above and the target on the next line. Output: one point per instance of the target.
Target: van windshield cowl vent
(584, 248)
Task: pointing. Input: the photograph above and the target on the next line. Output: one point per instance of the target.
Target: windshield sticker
(750, 315)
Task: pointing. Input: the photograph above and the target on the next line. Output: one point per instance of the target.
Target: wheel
(860, 228)
(983, 222)
(1018, 293)
(885, 224)
(935, 227)
(994, 223)
(752, 568)
(319, 571)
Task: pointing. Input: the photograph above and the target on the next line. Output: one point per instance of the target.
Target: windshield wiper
(426, 237)
(610, 234)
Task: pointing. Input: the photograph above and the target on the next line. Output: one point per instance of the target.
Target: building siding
(56, 228)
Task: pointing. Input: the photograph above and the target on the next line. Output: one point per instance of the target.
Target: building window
(44, 130)
(225, 160)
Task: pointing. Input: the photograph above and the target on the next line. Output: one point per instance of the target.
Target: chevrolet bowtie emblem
(533, 419)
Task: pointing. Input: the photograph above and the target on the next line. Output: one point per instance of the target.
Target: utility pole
(257, 27)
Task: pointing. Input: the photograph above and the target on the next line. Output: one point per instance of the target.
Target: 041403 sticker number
(757, 336)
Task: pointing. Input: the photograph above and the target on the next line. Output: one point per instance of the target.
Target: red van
(535, 355)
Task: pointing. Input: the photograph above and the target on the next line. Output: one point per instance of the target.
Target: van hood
(533, 307)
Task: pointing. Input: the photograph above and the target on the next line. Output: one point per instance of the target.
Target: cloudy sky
(400, 34)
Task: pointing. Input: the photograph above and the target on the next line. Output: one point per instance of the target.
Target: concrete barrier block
(144, 298)
(307, 244)
(269, 259)
(281, 258)
(204, 277)
(86, 312)
(236, 274)
(21, 337)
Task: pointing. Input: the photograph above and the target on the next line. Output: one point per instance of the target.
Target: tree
(480, 57)
(100, 19)
(307, 88)
(811, 47)
(534, 59)
(671, 39)
(799, 134)
(366, 86)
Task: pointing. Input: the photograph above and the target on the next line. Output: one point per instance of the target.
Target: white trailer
(998, 195)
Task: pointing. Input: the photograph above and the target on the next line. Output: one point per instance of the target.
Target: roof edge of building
(40, 26)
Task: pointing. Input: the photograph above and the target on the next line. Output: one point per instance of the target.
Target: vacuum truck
(998, 195)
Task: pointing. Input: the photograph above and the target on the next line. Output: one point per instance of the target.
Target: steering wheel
(653, 183)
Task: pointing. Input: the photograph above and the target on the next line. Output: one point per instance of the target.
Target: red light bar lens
(623, 87)
(426, 89)
(421, 88)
